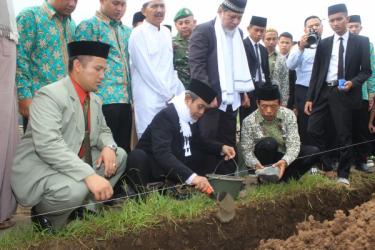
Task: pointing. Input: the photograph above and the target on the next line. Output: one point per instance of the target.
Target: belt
(333, 83)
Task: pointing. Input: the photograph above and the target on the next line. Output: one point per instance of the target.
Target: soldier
(185, 23)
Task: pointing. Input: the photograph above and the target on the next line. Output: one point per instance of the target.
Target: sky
(284, 15)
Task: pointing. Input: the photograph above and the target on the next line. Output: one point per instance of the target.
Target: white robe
(154, 80)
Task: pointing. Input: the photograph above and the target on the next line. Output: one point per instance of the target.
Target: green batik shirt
(283, 129)
(115, 87)
(368, 87)
(181, 59)
(42, 56)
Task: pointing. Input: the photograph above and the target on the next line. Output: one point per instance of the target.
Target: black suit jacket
(252, 60)
(203, 56)
(164, 142)
(357, 68)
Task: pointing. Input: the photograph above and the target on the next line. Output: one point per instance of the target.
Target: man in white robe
(154, 80)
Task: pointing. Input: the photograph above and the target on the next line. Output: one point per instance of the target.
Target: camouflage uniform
(181, 58)
(283, 129)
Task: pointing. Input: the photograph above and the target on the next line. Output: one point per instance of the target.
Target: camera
(312, 39)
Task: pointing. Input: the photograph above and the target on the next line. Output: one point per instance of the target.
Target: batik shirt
(283, 129)
(181, 59)
(280, 77)
(368, 87)
(42, 55)
(115, 87)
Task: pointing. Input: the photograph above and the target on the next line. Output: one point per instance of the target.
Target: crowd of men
(106, 107)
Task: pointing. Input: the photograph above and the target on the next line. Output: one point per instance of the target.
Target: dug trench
(253, 222)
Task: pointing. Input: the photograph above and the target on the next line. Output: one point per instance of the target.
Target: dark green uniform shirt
(181, 59)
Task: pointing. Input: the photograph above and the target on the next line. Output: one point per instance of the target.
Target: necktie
(340, 70)
(86, 139)
(259, 71)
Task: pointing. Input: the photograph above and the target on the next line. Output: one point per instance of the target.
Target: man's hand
(23, 107)
(108, 158)
(308, 108)
(258, 166)
(245, 102)
(229, 152)
(99, 187)
(281, 165)
(303, 42)
(347, 86)
(201, 183)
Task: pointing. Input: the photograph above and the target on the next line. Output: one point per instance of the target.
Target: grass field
(135, 216)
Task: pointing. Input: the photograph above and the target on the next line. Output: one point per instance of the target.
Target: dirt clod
(355, 231)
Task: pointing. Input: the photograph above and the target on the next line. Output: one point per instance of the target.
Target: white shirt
(154, 80)
(302, 62)
(334, 63)
(260, 61)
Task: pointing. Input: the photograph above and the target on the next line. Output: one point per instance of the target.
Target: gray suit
(47, 170)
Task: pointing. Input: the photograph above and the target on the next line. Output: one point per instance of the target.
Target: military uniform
(181, 58)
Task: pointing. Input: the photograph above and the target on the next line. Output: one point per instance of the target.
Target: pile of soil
(356, 231)
(276, 219)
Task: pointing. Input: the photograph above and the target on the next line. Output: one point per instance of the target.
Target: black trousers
(266, 152)
(119, 119)
(143, 169)
(219, 126)
(361, 134)
(302, 118)
(333, 105)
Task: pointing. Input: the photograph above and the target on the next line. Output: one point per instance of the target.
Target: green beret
(182, 13)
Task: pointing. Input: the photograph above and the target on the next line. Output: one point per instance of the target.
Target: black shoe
(364, 168)
(126, 192)
(41, 223)
(80, 213)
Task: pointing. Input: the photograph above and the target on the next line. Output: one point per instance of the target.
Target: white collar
(345, 36)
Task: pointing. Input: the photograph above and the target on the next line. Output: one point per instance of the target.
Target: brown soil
(356, 231)
(254, 222)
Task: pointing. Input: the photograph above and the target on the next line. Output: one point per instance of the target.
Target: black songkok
(202, 90)
(355, 19)
(258, 21)
(88, 48)
(337, 8)
(138, 17)
(237, 6)
(268, 92)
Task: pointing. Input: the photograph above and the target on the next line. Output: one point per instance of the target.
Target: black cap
(337, 8)
(202, 90)
(258, 21)
(237, 6)
(88, 48)
(138, 17)
(355, 19)
(268, 92)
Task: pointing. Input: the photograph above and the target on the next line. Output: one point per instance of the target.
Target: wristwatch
(113, 147)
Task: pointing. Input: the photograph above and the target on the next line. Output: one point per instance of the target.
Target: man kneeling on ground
(54, 169)
(171, 147)
(269, 137)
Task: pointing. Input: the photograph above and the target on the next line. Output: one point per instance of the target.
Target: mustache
(159, 14)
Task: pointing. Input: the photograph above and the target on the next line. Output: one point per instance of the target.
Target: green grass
(135, 216)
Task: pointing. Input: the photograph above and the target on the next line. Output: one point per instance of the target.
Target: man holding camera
(341, 65)
(301, 59)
